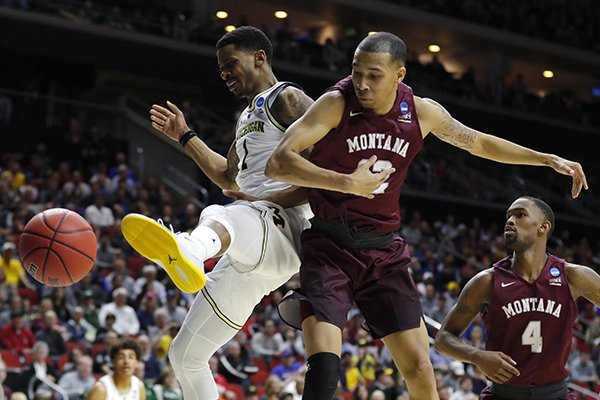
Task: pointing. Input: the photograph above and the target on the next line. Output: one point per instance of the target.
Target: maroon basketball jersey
(395, 138)
(532, 322)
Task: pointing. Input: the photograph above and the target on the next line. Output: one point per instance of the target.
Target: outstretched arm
(584, 281)
(171, 122)
(437, 120)
(287, 165)
(498, 366)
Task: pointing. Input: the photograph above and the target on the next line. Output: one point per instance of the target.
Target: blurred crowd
(68, 331)
(573, 23)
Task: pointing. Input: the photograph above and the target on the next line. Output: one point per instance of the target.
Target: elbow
(273, 169)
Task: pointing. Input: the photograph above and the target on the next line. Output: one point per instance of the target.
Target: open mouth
(231, 83)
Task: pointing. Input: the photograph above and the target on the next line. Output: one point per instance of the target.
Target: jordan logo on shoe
(171, 259)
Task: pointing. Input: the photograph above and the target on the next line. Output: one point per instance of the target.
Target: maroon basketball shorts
(378, 280)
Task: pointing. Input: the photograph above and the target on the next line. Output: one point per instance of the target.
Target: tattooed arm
(496, 365)
(436, 119)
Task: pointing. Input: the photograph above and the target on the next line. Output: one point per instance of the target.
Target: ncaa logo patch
(404, 107)
(554, 271)
(260, 102)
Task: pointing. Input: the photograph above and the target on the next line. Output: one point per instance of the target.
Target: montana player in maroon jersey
(528, 303)
(366, 130)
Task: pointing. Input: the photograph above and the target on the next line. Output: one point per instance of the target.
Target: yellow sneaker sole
(157, 243)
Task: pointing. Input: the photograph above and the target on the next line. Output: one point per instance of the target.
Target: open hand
(573, 169)
(170, 121)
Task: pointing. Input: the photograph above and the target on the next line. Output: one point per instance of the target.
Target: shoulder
(428, 108)
(481, 285)
(98, 391)
(290, 104)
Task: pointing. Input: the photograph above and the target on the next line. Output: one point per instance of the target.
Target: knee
(421, 370)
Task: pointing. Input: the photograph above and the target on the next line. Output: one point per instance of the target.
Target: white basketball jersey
(113, 394)
(257, 134)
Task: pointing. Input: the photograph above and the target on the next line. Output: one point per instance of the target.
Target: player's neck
(122, 382)
(265, 81)
(529, 263)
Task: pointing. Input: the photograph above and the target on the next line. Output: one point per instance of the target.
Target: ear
(401, 73)
(545, 227)
(260, 57)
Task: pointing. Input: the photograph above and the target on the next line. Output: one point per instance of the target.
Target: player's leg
(328, 289)
(410, 351)
(323, 342)
(201, 335)
(240, 229)
(389, 300)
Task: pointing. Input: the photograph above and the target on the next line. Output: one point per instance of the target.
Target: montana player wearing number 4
(528, 303)
(259, 239)
(366, 131)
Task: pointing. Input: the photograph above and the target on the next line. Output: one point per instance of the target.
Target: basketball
(58, 247)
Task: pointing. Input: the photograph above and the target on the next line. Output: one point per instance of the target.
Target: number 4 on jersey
(532, 336)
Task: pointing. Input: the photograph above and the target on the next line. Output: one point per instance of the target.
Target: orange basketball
(58, 247)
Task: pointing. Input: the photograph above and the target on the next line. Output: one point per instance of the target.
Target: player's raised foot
(172, 251)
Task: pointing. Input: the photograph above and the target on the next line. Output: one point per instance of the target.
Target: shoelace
(160, 221)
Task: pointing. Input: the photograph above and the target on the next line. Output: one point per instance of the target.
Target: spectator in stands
(365, 361)
(383, 380)
(77, 383)
(5, 391)
(349, 373)
(213, 364)
(441, 308)
(78, 328)
(273, 388)
(582, 369)
(59, 303)
(13, 268)
(147, 282)
(140, 372)
(145, 313)
(90, 313)
(15, 304)
(235, 368)
(465, 390)
(176, 312)
(71, 363)
(106, 253)
(292, 339)
(166, 386)
(39, 366)
(267, 343)
(119, 267)
(102, 361)
(288, 367)
(152, 367)
(457, 370)
(53, 334)
(16, 336)
(295, 387)
(126, 319)
(428, 300)
(98, 214)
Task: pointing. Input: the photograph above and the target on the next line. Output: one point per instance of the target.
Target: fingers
(174, 108)
(159, 110)
(367, 164)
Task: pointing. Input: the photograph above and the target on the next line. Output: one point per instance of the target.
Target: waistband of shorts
(346, 236)
(545, 392)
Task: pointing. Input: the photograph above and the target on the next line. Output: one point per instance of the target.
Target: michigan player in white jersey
(259, 239)
(122, 383)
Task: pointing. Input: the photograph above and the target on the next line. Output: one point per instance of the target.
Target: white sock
(207, 242)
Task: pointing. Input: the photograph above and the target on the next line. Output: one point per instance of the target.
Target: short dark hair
(545, 209)
(385, 42)
(247, 38)
(126, 344)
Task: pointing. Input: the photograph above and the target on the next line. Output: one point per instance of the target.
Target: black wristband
(186, 137)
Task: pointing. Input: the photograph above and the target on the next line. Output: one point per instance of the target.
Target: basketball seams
(75, 249)
(64, 265)
(50, 244)
(45, 220)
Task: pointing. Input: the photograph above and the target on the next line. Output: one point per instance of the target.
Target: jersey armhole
(272, 97)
